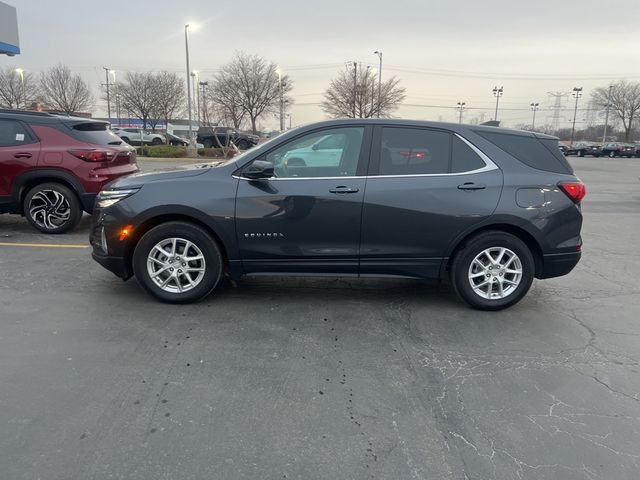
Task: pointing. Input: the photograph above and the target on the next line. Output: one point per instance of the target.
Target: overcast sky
(443, 51)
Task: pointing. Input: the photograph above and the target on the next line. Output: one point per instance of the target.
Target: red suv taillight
(574, 190)
(93, 155)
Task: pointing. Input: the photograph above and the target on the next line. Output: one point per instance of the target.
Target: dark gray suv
(488, 208)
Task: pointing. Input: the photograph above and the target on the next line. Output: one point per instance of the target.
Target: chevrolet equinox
(488, 208)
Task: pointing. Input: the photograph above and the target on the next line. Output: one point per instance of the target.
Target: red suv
(53, 166)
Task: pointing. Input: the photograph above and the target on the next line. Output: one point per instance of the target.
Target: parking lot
(323, 378)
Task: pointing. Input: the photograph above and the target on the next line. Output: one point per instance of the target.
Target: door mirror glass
(258, 169)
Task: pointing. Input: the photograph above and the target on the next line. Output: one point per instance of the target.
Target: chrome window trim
(489, 166)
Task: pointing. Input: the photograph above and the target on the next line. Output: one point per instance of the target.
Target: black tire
(208, 143)
(52, 208)
(126, 140)
(612, 154)
(463, 259)
(156, 141)
(243, 145)
(187, 231)
(581, 153)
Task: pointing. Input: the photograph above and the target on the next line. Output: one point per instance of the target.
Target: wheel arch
(528, 238)
(32, 178)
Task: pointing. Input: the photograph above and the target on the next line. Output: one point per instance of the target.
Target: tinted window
(302, 157)
(13, 133)
(96, 133)
(463, 158)
(412, 151)
(536, 153)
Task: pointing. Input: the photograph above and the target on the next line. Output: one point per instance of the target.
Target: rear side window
(536, 153)
(96, 133)
(463, 158)
(414, 151)
(13, 133)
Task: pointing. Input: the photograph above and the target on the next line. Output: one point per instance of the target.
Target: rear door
(305, 219)
(19, 152)
(424, 188)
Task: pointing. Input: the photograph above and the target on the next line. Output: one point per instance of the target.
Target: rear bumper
(558, 264)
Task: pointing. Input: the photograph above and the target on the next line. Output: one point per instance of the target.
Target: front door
(306, 218)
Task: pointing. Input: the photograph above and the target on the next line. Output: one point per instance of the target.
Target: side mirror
(258, 169)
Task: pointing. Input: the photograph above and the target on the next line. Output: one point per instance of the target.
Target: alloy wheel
(495, 273)
(49, 209)
(176, 265)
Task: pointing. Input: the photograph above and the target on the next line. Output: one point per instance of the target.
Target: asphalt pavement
(290, 378)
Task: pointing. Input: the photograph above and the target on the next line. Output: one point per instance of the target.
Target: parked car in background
(136, 136)
(53, 166)
(400, 198)
(212, 137)
(563, 148)
(583, 149)
(637, 150)
(618, 149)
(176, 141)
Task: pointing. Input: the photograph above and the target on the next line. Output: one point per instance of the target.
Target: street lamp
(379, 54)
(20, 71)
(205, 114)
(534, 107)
(195, 77)
(577, 93)
(461, 109)
(497, 92)
(279, 72)
(192, 143)
(107, 71)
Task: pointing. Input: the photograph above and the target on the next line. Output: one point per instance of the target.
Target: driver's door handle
(342, 189)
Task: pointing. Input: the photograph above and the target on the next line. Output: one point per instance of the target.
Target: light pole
(577, 93)
(379, 54)
(107, 70)
(461, 109)
(373, 92)
(205, 114)
(497, 92)
(192, 143)
(195, 78)
(606, 115)
(534, 107)
(20, 71)
(279, 72)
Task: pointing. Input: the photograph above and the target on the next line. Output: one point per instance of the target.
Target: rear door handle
(472, 186)
(22, 155)
(343, 189)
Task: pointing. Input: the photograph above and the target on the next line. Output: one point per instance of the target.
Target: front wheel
(612, 154)
(156, 141)
(177, 262)
(493, 271)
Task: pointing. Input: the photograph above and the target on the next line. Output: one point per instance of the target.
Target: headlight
(106, 198)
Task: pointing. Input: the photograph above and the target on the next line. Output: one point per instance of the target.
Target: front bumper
(558, 264)
(116, 265)
(109, 253)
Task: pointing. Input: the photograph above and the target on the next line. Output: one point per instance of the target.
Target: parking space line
(41, 245)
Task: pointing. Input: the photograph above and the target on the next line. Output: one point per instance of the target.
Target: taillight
(574, 190)
(92, 155)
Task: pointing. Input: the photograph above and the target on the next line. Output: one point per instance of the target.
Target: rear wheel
(207, 143)
(494, 270)
(177, 262)
(52, 208)
(156, 141)
(126, 140)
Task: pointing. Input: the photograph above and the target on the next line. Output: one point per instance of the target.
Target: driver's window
(329, 153)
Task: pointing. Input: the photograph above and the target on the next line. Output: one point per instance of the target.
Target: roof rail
(25, 112)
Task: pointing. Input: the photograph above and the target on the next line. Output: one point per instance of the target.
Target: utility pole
(497, 92)
(534, 107)
(195, 79)
(107, 70)
(460, 109)
(379, 54)
(279, 72)
(192, 143)
(205, 113)
(606, 115)
(355, 86)
(577, 93)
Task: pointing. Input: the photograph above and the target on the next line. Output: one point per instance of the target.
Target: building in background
(9, 41)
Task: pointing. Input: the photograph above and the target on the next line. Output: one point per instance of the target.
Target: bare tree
(355, 94)
(225, 110)
(251, 84)
(170, 96)
(62, 90)
(138, 94)
(17, 89)
(624, 101)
